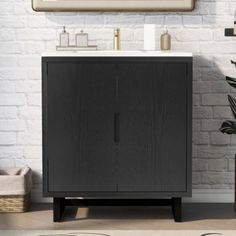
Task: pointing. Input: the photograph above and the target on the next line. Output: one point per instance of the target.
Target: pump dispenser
(64, 38)
(235, 23)
(165, 40)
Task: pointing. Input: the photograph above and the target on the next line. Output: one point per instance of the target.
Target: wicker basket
(17, 203)
(15, 189)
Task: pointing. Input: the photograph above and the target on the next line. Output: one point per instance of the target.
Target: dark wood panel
(136, 148)
(62, 125)
(80, 127)
(97, 148)
(171, 126)
(134, 137)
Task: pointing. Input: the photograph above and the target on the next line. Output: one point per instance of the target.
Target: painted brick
(217, 178)
(32, 152)
(30, 112)
(193, 21)
(200, 165)
(12, 125)
(215, 152)
(12, 99)
(29, 60)
(217, 165)
(200, 138)
(7, 138)
(202, 112)
(214, 99)
(11, 72)
(210, 125)
(94, 19)
(218, 138)
(220, 87)
(11, 48)
(7, 61)
(28, 86)
(11, 152)
(231, 165)
(12, 21)
(25, 34)
(7, 35)
(29, 138)
(5, 163)
(35, 34)
(196, 178)
(34, 47)
(196, 125)
(8, 112)
(222, 112)
(7, 86)
(155, 19)
(34, 99)
(201, 87)
(173, 20)
(196, 100)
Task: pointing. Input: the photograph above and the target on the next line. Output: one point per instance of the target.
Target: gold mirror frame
(113, 5)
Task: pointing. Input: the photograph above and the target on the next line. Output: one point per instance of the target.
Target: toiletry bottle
(235, 23)
(165, 40)
(82, 39)
(64, 38)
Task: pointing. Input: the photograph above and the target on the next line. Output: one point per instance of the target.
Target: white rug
(118, 233)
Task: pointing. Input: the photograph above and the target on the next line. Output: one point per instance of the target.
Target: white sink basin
(98, 53)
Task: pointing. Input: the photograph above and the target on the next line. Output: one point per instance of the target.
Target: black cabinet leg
(58, 208)
(177, 209)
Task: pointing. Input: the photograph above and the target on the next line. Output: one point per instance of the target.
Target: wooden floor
(195, 216)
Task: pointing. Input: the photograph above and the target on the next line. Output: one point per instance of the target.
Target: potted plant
(229, 126)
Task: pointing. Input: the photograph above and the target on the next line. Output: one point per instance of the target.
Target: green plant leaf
(228, 127)
(233, 62)
(231, 81)
(232, 103)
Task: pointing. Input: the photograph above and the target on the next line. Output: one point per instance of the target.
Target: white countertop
(118, 54)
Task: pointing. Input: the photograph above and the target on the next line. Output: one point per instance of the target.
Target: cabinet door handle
(116, 128)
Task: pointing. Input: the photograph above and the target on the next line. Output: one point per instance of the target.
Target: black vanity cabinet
(117, 130)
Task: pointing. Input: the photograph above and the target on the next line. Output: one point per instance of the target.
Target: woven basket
(15, 189)
(14, 203)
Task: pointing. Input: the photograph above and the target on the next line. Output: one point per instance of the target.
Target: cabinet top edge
(140, 53)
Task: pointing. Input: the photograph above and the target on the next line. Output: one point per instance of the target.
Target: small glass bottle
(82, 39)
(64, 38)
(165, 40)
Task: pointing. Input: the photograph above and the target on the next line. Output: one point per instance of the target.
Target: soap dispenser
(64, 38)
(82, 39)
(165, 40)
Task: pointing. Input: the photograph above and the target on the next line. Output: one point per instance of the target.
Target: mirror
(113, 5)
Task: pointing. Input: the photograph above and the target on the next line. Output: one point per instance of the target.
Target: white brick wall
(25, 34)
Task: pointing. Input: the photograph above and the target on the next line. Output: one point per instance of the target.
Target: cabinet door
(79, 138)
(97, 156)
(171, 126)
(152, 147)
(136, 159)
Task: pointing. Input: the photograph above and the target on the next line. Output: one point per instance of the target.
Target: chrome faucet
(116, 40)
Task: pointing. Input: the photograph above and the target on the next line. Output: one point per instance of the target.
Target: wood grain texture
(96, 159)
(80, 127)
(136, 150)
(117, 127)
(171, 126)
